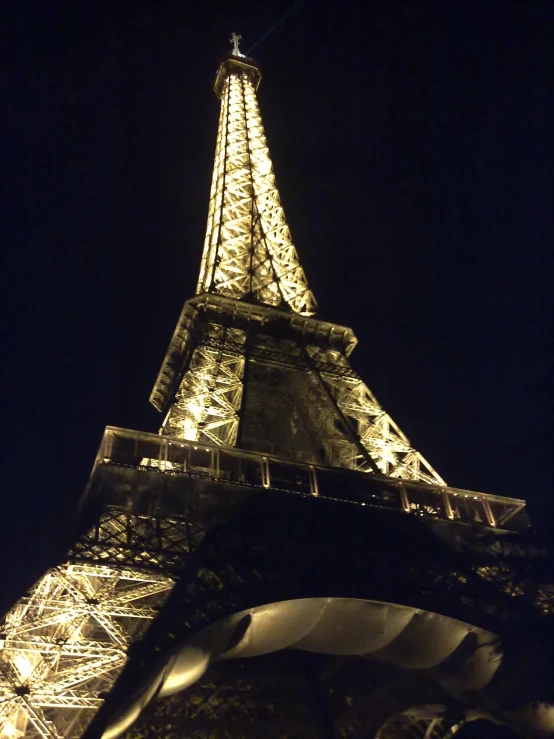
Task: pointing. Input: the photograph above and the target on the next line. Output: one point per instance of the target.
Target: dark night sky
(413, 147)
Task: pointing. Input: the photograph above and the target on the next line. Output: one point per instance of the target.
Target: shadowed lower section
(463, 659)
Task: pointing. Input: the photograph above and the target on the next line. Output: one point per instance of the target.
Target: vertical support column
(314, 489)
(105, 452)
(404, 497)
(162, 456)
(242, 409)
(447, 504)
(488, 512)
(214, 463)
(266, 480)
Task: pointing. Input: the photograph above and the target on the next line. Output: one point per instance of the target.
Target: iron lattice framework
(266, 389)
(66, 640)
(249, 256)
(210, 395)
(259, 399)
(248, 252)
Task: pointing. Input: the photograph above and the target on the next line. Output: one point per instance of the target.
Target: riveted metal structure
(279, 559)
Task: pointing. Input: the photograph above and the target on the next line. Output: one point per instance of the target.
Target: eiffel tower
(224, 580)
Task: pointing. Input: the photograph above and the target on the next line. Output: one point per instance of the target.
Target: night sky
(414, 152)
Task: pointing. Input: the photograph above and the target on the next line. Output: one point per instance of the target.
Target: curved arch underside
(466, 661)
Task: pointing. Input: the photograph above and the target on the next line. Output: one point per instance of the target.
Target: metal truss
(387, 446)
(207, 403)
(131, 460)
(318, 392)
(248, 256)
(65, 642)
(248, 250)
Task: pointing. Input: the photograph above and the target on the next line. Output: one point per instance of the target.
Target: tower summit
(279, 511)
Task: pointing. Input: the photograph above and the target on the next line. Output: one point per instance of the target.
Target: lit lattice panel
(248, 250)
(387, 445)
(65, 642)
(207, 403)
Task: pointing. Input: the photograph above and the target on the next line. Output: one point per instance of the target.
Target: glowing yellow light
(189, 429)
(9, 731)
(246, 222)
(22, 665)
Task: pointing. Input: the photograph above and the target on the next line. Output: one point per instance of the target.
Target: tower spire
(248, 250)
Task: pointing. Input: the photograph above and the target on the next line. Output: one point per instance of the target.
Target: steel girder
(218, 395)
(66, 640)
(208, 400)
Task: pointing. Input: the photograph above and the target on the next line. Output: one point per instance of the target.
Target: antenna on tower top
(235, 38)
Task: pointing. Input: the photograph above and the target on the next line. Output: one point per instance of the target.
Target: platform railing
(228, 465)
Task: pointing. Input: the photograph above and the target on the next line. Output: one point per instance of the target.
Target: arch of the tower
(463, 659)
(210, 532)
(303, 574)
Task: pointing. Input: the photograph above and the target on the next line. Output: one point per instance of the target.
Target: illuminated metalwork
(387, 446)
(140, 451)
(207, 403)
(249, 256)
(65, 642)
(318, 391)
(260, 403)
(248, 252)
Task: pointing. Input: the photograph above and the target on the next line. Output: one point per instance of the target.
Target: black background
(413, 148)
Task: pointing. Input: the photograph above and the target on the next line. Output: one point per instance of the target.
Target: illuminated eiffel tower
(225, 581)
